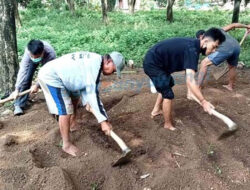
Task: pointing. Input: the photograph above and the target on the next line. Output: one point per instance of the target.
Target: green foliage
(35, 4)
(132, 35)
(162, 3)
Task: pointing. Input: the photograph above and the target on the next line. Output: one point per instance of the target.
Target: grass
(132, 35)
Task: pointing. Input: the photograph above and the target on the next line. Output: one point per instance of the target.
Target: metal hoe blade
(125, 158)
(229, 132)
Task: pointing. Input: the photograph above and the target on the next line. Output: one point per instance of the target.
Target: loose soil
(190, 158)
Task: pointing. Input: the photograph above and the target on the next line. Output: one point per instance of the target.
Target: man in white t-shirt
(76, 75)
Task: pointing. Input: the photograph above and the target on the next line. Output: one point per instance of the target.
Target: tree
(104, 11)
(111, 5)
(71, 5)
(246, 2)
(8, 45)
(132, 6)
(236, 11)
(170, 17)
(17, 16)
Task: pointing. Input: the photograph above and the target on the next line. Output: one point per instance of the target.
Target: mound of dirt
(190, 158)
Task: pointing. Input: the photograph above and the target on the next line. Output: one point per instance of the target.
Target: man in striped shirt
(76, 75)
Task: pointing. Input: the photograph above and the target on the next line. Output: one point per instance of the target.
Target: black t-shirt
(172, 55)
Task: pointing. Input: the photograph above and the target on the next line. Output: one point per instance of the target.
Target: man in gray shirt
(228, 51)
(37, 52)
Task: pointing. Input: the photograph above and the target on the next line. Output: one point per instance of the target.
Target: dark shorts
(162, 81)
(231, 57)
(163, 84)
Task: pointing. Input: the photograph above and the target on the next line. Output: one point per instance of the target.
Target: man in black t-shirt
(173, 55)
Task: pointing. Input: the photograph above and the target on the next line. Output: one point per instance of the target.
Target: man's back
(74, 71)
(174, 54)
(229, 44)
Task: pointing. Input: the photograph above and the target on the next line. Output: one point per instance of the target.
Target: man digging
(37, 52)
(228, 51)
(72, 76)
(173, 55)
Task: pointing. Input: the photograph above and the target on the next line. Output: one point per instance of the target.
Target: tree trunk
(132, 6)
(8, 46)
(236, 11)
(246, 2)
(104, 11)
(17, 16)
(170, 17)
(111, 5)
(71, 5)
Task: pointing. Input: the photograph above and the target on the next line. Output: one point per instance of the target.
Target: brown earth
(190, 158)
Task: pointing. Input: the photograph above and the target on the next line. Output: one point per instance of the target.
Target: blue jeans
(25, 85)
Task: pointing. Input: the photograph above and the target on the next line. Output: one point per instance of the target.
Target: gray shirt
(229, 44)
(49, 54)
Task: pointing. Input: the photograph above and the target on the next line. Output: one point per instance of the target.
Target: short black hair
(35, 47)
(199, 33)
(215, 34)
(107, 56)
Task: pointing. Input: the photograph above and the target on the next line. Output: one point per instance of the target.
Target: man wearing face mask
(37, 52)
(173, 55)
(228, 51)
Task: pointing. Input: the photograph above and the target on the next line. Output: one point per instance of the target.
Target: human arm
(34, 88)
(191, 84)
(203, 70)
(235, 25)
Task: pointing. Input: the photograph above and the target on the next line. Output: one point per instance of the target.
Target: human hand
(106, 127)
(14, 94)
(34, 89)
(248, 30)
(207, 106)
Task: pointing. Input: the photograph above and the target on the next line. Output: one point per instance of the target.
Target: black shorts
(162, 80)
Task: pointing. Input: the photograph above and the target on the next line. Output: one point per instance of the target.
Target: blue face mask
(36, 60)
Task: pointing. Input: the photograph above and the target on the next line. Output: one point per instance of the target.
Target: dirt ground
(187, 159)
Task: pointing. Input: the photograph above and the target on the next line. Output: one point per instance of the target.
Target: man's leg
(201, 77)
(73, 123)
(157, 110)
(59, 102)
(232, 77)
(203, 70)
(167, 113)
(20, 102)
(64, 124)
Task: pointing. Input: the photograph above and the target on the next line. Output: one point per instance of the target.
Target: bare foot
(228, 87)
(155, 113)
(70, 149)
(169, 127)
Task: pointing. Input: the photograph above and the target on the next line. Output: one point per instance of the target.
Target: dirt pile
(190, 158)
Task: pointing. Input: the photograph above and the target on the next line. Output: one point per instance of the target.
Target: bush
(132, 35)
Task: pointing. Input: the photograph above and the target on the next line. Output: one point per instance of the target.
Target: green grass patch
(132, 35)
